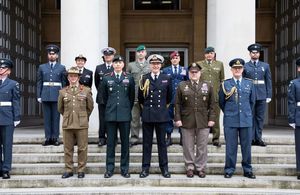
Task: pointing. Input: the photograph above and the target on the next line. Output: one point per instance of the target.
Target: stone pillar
(230, 30)
(84, 30)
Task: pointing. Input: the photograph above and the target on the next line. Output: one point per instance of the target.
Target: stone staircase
(38, 169)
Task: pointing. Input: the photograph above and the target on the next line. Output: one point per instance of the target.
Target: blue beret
(107, 51)
(141, 48)
(209, 49)
(52, 48)
(254, 47)
(118, 58)
(155, 58)
(298, 62)
(6, 63)
(237, 62)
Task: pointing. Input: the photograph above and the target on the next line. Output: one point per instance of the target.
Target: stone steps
(176, 168)
(96, 180)
(257, 158)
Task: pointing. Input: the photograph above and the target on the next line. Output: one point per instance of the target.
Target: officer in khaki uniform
(75, 103)
(194, 113)
(137, 68)
(213, 73)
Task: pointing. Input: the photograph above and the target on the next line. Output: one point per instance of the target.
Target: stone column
(230, 30)
(84, 30)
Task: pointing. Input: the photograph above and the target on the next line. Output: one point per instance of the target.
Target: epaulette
(248, 79)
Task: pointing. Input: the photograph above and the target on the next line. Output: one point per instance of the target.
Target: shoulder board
(227, 79)
(248, 79)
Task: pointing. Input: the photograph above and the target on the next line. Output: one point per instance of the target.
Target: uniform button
(73, 100)
(50, 79)
(118, 85)
(158, 100)
(196, 103)
(240, 103)
(151, 91)
(209, 75)
(151, 95)
(240, 96)
(195, 98)
(158, 106)
(118, 98)
(50, 75)
(159, 91)
(73, 96)
(151, 106)
(150, 100)
(158, 95)
(240, 110)
(73, 104)
(73, 111)
(118, 91)
(118, 103)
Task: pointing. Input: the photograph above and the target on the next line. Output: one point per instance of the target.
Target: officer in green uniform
(118, 96)
(213, 73)
(75, 103)
(137, 68)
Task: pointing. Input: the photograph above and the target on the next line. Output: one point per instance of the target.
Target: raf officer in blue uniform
(177, 73)
(86, 77)
(236, 99)
(155, 94)
(9, 115)
(50, 79)
(260, 73)
(101, 70)
(294, 113)
(118, 92)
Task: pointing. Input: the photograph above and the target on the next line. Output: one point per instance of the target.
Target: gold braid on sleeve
(228, 94)
(144, 86)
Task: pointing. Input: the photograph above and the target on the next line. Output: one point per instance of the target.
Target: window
(156, 4)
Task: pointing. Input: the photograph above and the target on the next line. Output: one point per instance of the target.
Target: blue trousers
(51, 120)
(258, 119)
(297, 147)
(231, 139)
(6, 143)
(170, 124)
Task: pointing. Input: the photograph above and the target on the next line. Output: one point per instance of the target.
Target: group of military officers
(190, 98)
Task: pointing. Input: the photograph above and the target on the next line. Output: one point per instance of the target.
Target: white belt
(258, 82)
(298, 103)
(52, 84)
(5, 103)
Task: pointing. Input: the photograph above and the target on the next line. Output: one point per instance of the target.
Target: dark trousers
(6, 144)
(148, 129)
(102, 123)
(51, 120)
(216, 128)
(258, 119)
(170, 124)
(297, 147)
(231, 138)
(112, 130)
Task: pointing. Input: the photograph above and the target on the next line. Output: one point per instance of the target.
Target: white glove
(39, 100)
(292, 125)
(268, 100)
(16, 123)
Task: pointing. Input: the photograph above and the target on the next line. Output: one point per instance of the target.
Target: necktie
(80, 71)
(175, 70)
(108, 67)
(0, 82)
(209, 62)
(254, 63)
(238, 84)
(155, 77)
(118, 77)
(51, 66)
(195, 85)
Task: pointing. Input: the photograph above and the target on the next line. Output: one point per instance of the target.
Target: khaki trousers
(189, 137)
(135, 124)
(216, 128)
(70, 137)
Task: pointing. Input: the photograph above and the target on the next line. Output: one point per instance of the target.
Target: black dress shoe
(80, 175)
(1, 173)
(102, 142)
(67, 175)
(165, 174)
(261, 143)
(131, 144)
(125, 174)
(217, 144)
(47, 142)
(227, 175)
(298, 177)
(6, 175)
(250, 175)
(108, 174)
(144, 173)
(55, 142)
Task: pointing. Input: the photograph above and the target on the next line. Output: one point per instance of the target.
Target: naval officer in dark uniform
(294, 113)
(260, 73)
(9, 115)
(50, 79)
(118, 90)
(86, 77)
(155, 95)
(101, 70)
(236, 100)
